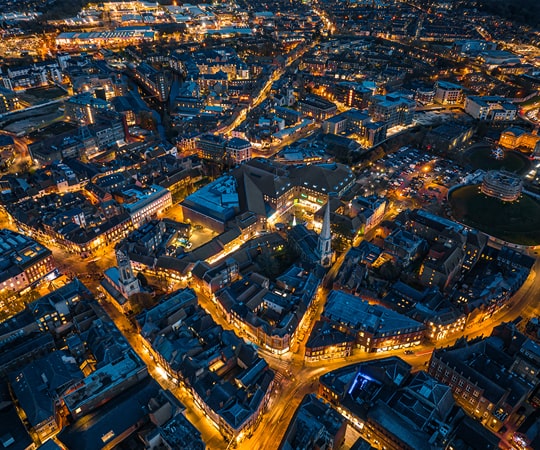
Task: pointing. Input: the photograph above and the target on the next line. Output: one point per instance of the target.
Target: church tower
(324, 247)
(128, 283)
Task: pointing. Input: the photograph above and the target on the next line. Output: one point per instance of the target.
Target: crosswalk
(278, 377)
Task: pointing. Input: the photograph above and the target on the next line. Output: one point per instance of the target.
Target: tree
(141, 301)
(142, 279)
(268, 264)
(30, 296)
(6, 295)
(340, 243)
(147, 121)
(389, 271)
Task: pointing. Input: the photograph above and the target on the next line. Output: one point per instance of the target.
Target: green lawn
(46, 93)
(517, 222)
(480, 158)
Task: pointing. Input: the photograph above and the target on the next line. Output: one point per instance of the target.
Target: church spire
(325, 239)
(128, 283)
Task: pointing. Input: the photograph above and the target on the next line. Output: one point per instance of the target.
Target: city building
(314, 425)
(39, 386)
(84, 142)
(299, 155)
(177, 432)
(7, 144)
(373, 133)
(267, 189)
(441, 318)
(305, 242)
(270, 313)
(317, 107)
(495, 58)
(442, 264)
(491, 109)
(144, 204)
(447, 137)
(335, 125)
(515, 138)
(213, 278)
(374, 328)
(479, 374)
(153, 81)
(120, 37)
(503, 185)
(144, 412)
(119, 282)
(404, 245)
(24, 262)
(328, 342)
(471, 46)
(226, 377)
(370, 209)
(238, 150)
(213, 205)
(353, 95)
(123, 371)
(392, 110)
(84, 108)
(354, 269)
(8, 100)
(359, 125)
(425, 95)
(211, 147)
(39, 74)
(391, 407)
(53, 387)
(447, 93)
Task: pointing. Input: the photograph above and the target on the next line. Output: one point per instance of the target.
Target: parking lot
(411, 176)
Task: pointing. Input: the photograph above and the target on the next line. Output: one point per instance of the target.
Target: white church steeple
(129, 284)
(324, 248)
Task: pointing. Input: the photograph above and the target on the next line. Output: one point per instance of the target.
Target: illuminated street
(258, 195)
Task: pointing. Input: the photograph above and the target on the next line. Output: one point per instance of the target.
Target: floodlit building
(238, 150)
(392, 110)
(115, 38)
(226, 377)
(448, 93)
(8, 100)
(515, 138)
(482, 382)
(143, 204)
(503, 185)
(266, 189)
(23, 261)
(492, 109)
(373, 327)
(153, 81)
(84, 108)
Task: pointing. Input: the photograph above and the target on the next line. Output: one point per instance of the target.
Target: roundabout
(517, 222)
(486, 158)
